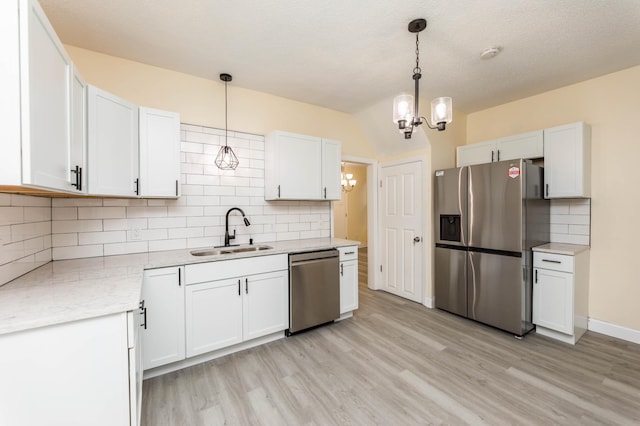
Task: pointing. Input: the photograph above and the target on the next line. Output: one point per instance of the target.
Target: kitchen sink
(229, 250)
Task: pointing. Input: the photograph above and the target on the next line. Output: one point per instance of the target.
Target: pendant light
(226, 158)
(405, 107)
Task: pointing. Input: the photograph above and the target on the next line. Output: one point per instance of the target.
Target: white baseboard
(429, 302)
(613, 330)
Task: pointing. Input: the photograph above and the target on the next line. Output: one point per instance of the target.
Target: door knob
(416, 240)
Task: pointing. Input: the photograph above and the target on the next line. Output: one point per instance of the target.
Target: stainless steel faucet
(228, 237)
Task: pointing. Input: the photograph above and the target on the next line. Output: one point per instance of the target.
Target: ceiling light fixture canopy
(405, 107)
(226, 158)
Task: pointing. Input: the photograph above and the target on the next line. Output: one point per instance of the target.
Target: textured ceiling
(349, 54)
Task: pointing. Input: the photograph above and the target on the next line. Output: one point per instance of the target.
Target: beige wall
(201, 101)
(611, 105)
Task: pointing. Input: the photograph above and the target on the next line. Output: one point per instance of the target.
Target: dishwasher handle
(308, 262)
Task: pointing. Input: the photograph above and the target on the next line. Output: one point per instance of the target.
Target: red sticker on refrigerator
(514, 172)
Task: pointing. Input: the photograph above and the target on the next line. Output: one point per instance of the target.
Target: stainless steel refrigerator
(488, 217)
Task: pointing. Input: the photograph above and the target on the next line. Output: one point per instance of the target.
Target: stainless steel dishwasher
(314, 289)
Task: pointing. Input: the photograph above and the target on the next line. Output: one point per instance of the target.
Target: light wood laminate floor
(399, 363)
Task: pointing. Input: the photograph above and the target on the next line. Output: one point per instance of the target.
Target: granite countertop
(561, 248)
(71, 290)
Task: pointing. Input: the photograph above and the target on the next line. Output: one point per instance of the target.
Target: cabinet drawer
(348, 253)
(554, 262)
(223, 269)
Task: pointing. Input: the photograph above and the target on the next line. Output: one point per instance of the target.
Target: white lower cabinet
(348, 279)
(76, 373)
(233, 301)
(214, 315)
(163, 329)
(560, 295)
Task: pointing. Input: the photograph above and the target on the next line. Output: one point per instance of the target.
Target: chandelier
(348, 182)
(405, 107)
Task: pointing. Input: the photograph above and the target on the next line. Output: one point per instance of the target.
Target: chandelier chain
(417, 69)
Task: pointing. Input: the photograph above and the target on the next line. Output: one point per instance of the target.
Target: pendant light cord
(226, 126)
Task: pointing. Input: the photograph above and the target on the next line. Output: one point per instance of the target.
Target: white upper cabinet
(35, 82)
(477, 153)
(525, 145)
(159, 153)
(78, 144)
(299, 167)
(112, 144)
(331, 157)
(567, 161)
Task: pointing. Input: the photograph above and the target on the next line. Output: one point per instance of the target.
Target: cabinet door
(553, 300)
(293, 167)
(163, 336)
(525, 145)
(112, 144)
(78, 149)
(567, 159)
(265, 306)
(213, 315)
(78, 372)
(331, 157)
(45, 101)
(348, 286)
(477, 153)
(159, 153)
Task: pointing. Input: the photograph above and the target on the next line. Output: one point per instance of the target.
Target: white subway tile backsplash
(64, 240)
(125, 248)
(571, 221)
(76, 202)
(186, 211)
(135, 212)
(102, 212)
(66, 226)
(186, 232)
(29, 201)
(161, 245)
(11, 215)
(89, 238)
(37, 214)
(64, 213)
(167, 222)
(77, 252)
(5, 199)
(124, 224)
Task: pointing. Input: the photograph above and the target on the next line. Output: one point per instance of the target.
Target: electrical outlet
(135, 234)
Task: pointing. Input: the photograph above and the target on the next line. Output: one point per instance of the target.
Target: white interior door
(401, 222)
(340, 219)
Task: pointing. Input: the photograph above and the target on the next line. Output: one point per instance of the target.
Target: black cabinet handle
(78, 172)
(137, 183)
(492, 156)
(246, 285)
(547, 189)
(179, 277)
(238, 287)
(176, 187)
(498, 155)
(342, 269)
(325, 192)
(278, 191)
(551, 261)
(536, 276)
(144, 314)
